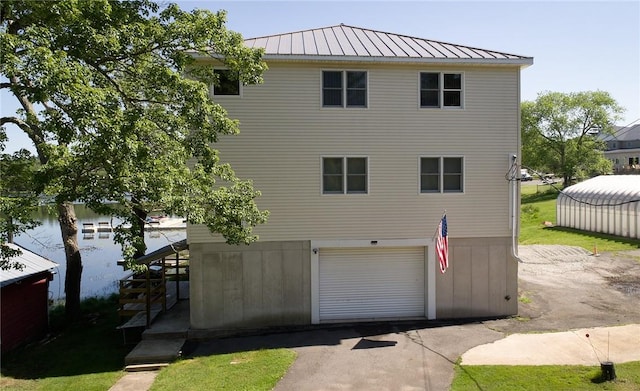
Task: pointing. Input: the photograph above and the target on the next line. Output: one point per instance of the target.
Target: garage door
(371, 283)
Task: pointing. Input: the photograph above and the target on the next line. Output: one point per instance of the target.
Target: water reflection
(100, 273)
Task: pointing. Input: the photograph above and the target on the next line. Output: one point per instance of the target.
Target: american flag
(442, 244)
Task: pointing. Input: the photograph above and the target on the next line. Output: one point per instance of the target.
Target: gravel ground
(564, 288)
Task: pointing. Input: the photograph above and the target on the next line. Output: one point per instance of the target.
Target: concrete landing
(135, 381)
(154, 351)
(617, 344)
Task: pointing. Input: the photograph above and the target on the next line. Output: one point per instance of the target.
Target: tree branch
(17, 121)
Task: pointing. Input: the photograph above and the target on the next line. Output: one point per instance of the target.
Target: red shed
(24, 300)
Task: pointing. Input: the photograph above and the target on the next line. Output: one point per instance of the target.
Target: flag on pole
(442, 244)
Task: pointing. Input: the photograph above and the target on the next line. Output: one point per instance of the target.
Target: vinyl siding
(285, 132)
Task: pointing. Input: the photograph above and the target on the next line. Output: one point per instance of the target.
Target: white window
(441, 175)
(344, 89)
(228, 83)
(345, 175)
(441, 90)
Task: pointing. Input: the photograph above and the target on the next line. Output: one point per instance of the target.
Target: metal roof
(606, 189)
(33, 264)
(162, 252)
(623, 133)
(349, 43)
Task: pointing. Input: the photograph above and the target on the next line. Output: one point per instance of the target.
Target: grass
(253, 370)
(89, 355)
(86, 355)
(544, 377)
(540, 207)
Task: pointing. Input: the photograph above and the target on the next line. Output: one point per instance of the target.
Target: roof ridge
(389, 33)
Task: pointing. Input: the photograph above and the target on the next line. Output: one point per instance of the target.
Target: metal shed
(608, 204)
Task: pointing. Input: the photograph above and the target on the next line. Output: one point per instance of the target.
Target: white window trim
(441, 91)
(344, 175)
(430, 269)
(212, 89)
(344, 90)
(441, 175)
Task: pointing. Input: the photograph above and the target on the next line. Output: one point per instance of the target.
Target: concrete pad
(617, 344)
(135, 381)
(155, 351)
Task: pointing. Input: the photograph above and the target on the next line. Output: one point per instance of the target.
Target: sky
(576, 45)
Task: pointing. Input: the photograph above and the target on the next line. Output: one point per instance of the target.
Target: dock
(168, 223)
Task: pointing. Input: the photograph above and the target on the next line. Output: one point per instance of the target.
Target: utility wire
(514, 175)
(628, 128)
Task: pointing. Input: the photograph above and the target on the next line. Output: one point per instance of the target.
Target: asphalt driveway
(386, 356)
(566, 288)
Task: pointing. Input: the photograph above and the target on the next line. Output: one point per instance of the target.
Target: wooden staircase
(143, 296)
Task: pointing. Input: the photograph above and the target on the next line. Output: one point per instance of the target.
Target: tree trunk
(69, 229)
(141, 218)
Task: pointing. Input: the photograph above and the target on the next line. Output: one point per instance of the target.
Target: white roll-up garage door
(371, 283)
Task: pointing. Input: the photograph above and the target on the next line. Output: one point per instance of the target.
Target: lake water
(100, 272)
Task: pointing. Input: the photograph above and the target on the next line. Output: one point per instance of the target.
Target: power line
(628, 128)
(511, 176)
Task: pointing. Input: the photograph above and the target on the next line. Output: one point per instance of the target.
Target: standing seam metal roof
(349, 41)
(33, 264)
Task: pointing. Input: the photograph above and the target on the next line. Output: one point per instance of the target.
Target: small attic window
(228, 83)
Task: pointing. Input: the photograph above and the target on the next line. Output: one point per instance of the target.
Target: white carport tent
(608, 204)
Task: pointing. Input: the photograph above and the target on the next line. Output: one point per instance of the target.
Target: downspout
(514, 215)
(516, 181)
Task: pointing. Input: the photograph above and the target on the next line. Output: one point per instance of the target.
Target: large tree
(559, 132)
(117, 110)
(18, 198)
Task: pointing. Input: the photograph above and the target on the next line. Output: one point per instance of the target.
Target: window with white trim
(344, 89)
(345, 175)
(441, 174)
(228, 83)
(440, 90)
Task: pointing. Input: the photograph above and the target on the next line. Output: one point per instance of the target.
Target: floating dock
(165, 223)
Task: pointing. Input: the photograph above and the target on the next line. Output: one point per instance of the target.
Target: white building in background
(608, 204)
(623, 149)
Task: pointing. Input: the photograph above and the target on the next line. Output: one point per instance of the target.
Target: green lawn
(89, 355)
(253, 370)
(544, 378)
(538, 208)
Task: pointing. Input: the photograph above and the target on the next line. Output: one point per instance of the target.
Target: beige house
(359, 141)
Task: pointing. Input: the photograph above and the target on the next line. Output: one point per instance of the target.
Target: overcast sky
(576, 45)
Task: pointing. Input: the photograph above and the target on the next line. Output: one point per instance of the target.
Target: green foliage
(559, 133)
(544, 377)
(17, 201)
(116, 106)
(252, 370)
